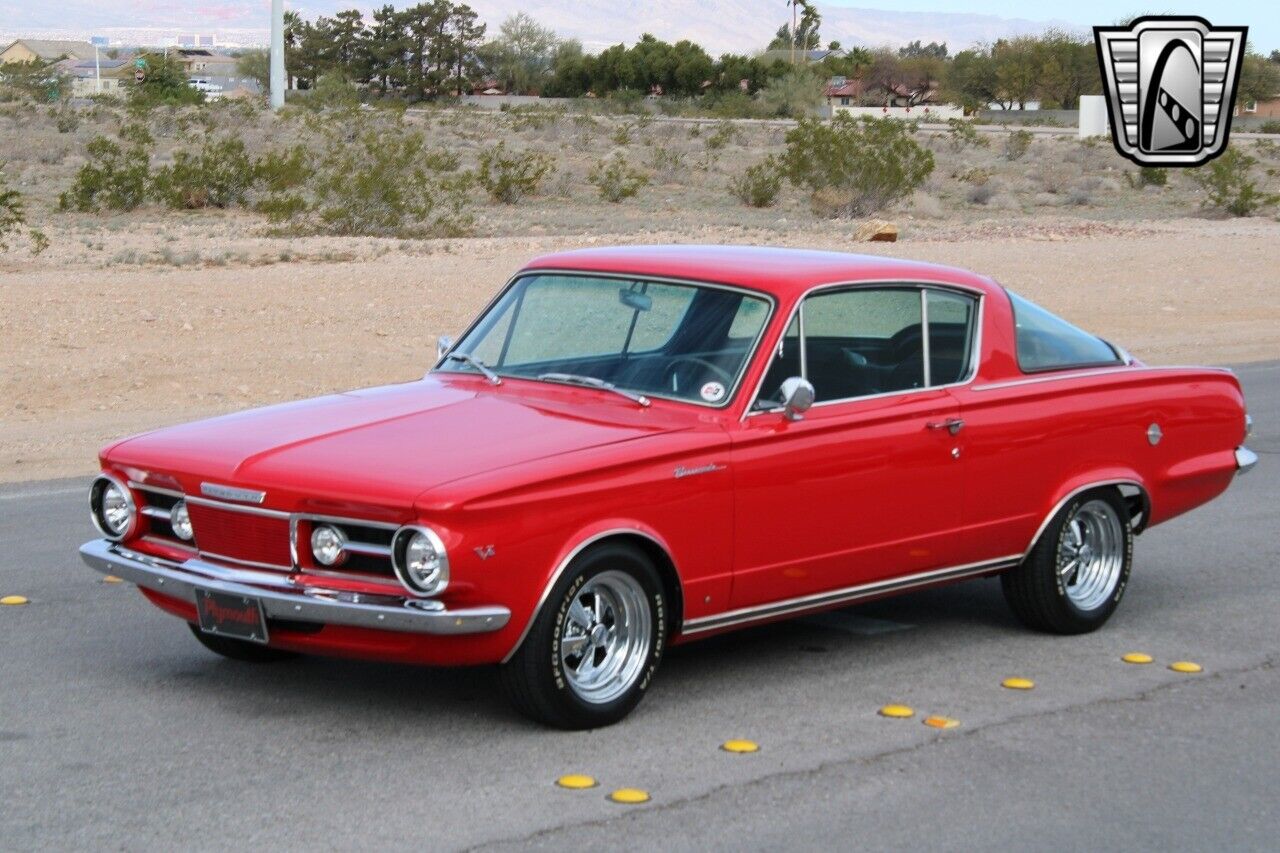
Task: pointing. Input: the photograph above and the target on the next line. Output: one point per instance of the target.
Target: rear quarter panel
(1032, 441)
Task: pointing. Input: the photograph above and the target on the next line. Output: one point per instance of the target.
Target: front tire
(594, 647)
(1074, 577)
(241, 650)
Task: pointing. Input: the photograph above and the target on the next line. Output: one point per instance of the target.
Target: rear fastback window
(1048, 342)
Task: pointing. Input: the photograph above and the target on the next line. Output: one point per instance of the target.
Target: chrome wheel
(1091, 554)
(606, 636)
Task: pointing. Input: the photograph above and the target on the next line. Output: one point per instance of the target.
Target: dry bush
(667, 163)
(759, 185)
(1229, 186)
(614, 180)
(857, 167)
(508, 176)
(1016, 144)
(980, 193)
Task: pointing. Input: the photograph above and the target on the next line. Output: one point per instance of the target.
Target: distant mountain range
(739, 26)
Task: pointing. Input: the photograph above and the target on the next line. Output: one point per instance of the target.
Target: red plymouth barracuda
(640, 446)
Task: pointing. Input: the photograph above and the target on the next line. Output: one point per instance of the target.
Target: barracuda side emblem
(681, 472)
(484, 552)
(1171, 85)
(231, 493)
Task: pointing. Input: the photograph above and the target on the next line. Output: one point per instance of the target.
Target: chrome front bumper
(1245, 459)
(283, 599)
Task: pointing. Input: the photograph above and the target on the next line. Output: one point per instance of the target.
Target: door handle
(951, 425)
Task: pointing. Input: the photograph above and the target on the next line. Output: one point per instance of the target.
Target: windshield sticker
(712, 392)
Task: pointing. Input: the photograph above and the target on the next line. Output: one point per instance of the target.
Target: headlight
(327, 545)
(112, 508)
(180, 521)
(419, 559)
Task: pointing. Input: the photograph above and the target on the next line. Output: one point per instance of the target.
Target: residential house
(45, 50)
(83, 75)
(1267, 108)
(842, 92)
(809, 57)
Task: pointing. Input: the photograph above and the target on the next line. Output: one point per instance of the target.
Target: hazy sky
(1262, 18)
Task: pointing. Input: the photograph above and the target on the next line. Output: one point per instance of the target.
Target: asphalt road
(118, 731)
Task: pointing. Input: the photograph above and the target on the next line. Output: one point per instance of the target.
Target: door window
(951, 325)
(863, 341)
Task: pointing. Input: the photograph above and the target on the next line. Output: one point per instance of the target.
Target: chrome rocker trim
(1245, 460)
(848, 595)
(282, 599)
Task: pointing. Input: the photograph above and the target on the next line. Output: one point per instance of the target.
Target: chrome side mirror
(444, 343)
(797, 396)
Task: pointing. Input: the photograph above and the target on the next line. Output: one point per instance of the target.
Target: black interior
(843, 367)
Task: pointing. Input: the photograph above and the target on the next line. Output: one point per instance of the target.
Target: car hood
(382, 445)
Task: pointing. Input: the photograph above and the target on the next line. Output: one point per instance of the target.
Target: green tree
(385, 47)
(1259, 79)
(164, 82)
(971, 80)
(35, 79)
(523, 54)
(799, 93)
(256, 65)
(934, 50)
(1017, 70)
(1068, 68)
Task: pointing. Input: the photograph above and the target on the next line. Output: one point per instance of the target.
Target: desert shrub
(622, 134)
(980, 193)
(373, 185)
(117, 177)
(220, 174)
(759, 185)
(532, 117)
(860, 166)
(615, 180)
(13, 215)
(725, 132)
(66, 120)
(1272, 126)
(1229, 187)
(508, 176)
(332, 91)
(964, 134)
(1016, 144)
(975, 176)
(666, 162)
(1148, 176)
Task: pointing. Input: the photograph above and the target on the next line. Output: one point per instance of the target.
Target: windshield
(678, 341)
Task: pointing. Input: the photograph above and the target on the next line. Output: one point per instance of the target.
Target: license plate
(237, 616)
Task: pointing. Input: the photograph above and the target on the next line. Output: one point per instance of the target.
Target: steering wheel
(719, 371)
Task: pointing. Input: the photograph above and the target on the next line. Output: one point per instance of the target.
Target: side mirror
(444, 343)
(797, 396)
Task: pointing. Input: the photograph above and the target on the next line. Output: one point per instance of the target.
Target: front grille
(243, 536)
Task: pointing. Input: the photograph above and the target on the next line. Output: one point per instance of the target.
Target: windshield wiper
(592, 382)
(477, 364)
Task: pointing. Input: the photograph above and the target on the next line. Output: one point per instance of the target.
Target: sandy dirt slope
(88, 355)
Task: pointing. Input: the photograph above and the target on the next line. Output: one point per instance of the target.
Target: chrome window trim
(975, 353)
(846, 595)
(1082, 374)
(143, 487)
(770, 300)
(564, 564)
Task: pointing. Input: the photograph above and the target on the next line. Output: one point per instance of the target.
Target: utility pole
(97, 70)
(277, 54)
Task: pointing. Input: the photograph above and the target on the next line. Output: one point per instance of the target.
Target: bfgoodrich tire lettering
(593, 649)
(1074, 577)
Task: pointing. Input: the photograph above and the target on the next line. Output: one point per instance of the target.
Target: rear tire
(595, 645)
(1074, 577)
(241, 650)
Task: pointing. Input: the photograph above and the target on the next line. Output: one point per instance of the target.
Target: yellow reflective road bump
(1137, 657)
(13, 600)
(1018, 683)
(576, 782)
(899, 712)
(740, 746)
(629, 796)
(941, 722)
(111, 579)
(1186, 666)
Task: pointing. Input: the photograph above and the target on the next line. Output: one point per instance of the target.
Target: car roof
(782, 272)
